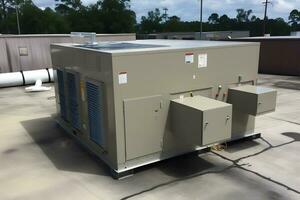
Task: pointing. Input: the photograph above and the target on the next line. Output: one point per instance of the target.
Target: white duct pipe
(11, 79)
(32, 76)
(25, 77)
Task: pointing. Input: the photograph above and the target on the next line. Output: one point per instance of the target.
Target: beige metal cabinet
(253, 100)
(206, 120)
(160, 98)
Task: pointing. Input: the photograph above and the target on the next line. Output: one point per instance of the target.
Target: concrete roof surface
(39, 161)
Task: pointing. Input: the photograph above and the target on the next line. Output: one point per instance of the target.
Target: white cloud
(189, 9)
(282, 6)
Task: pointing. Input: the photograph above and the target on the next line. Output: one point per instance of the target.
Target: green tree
(278, 27)
(108, 16)
(35, 20)
(3, 9)
(54, 23)
(294, 17)
(225, 23)
(295, 20)
(173, 24)
(253, 18)
(153, 22)
(66, 6)
(243, 15)
(9, 23)
(117, 17)
(114, 16)
(213, 18)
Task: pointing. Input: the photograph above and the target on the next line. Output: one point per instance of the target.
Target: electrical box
(253, 100)
(205, 120)
(137, 102)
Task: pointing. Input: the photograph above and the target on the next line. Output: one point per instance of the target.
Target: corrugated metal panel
(4, 62)
(38, 48)
(95, 112)
(73, 104)
(61, 93)
(38, 56)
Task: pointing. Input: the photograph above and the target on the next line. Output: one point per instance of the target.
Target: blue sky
(189, 9)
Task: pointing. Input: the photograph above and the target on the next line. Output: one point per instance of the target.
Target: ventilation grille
(95, 112)
(73, 104)
(61, 94)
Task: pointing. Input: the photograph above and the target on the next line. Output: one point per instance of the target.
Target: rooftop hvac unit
(135, 103)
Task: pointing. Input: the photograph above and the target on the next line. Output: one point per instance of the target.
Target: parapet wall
(31, 52)
(278, 55)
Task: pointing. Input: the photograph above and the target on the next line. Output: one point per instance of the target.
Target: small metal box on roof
(200, 120)
(253, 100)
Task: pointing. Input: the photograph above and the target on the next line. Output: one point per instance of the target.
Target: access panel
(144, 126)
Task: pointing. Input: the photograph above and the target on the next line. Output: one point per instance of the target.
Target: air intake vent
(61, 94)
(73, 99)
(95, 112)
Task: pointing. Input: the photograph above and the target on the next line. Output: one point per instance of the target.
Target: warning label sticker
(202, 60)
(189, 58)
(123, 78)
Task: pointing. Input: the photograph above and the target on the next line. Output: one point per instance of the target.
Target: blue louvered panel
(73, 105)
(95, 112)
(61, 93)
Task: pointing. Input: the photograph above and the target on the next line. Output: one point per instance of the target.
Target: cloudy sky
(189, 9)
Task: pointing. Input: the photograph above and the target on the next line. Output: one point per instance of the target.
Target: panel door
(217, 125)
(144, 126)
